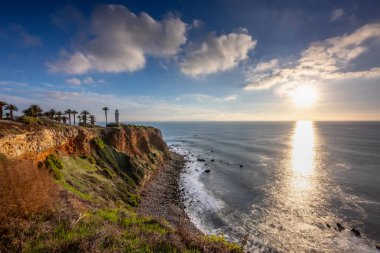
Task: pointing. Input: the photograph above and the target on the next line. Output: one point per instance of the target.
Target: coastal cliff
(71, 188)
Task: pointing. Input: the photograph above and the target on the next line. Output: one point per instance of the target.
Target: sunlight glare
(304, 96)
(303, 154)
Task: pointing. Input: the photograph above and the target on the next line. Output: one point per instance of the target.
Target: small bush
(99, 143)
(108, 173)
(90, 158)
(133, 200)
(55, 165)
(29, 120)
(113, 125)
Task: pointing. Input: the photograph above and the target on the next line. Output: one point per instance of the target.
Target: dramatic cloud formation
(217, 54)
(120, 41)
(339, 58)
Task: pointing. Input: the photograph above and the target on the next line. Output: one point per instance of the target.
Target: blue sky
(193, 60)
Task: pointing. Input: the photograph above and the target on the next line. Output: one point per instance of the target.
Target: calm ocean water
(283, 186)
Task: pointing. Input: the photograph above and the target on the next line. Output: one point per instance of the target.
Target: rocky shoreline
(161, 196)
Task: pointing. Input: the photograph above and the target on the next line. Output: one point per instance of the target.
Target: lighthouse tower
(117, 116)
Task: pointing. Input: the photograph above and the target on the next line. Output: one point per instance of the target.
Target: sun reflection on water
(302, 154)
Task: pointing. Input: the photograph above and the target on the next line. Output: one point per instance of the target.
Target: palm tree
(51, 113)
(92, 118)
(33, 111)
(11, 108)
(84, 114)
(73, 112)
(2, 103)
(79, 119)
(59, 116)
(68, 112)
(64, 118)
(105, 109)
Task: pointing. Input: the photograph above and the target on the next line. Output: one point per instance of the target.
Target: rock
(328, 225)
(207, 171)
(201, 160)
(378, 247)
(212, 160)
(339, 227)
(355, 232)
(241, 165)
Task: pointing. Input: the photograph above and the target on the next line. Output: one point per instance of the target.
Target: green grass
(27, 120)
(55, 165)
(121, 230)
(109, 181)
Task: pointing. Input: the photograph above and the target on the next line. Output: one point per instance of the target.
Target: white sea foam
(197, 199)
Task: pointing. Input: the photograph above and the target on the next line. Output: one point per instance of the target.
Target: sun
(304, 96)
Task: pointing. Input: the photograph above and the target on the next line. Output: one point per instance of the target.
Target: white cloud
(205, 98)
(217, 54)
(331, 59)
(73, 81)
(197, 23)
(88, 80)
(132, 108)
(337, 14)
(120, 41)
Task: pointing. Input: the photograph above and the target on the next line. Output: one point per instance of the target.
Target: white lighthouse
(117, 116)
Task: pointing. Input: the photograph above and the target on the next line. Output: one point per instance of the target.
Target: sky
(217, 60)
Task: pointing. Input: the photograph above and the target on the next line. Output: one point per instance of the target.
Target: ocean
(282, 186)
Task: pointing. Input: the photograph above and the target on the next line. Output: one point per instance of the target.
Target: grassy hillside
(85, 201)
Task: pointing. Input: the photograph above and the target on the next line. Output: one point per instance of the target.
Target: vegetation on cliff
(87, 203)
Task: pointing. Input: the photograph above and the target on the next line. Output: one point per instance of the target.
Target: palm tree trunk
(1, 112)
(11, 114)
(106, 119)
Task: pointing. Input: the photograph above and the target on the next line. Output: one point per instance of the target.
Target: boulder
(355, 232)
(339, 227)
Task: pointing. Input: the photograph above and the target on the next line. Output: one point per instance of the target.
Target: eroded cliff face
(102, 166)
(137, 141)
(37, 143)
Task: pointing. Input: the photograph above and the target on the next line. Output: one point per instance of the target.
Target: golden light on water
(303, 152)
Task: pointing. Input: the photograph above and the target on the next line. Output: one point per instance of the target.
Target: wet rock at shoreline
(339, 227)
(207, 171)
(201, 160)
(355, 232)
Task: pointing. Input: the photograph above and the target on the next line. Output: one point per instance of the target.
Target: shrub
(108, 173)
(29, 120)
(99, 143)
(55, 165)
(90, 158)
